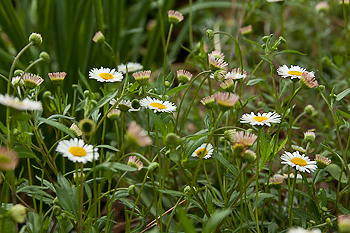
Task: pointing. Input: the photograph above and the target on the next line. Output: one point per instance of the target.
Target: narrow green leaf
(335, 172)
(23, 152)
(3, 128)
(215, 219)
(115, 167)
(56, 125)
(344, 114)
(282, 144)
(227, 164)
(108, 147)
(176, 90)
(252, 42)
(22, 116)
(104, 101)
(186, 224)
(342, 94)
(83, 79)
(157, 121)
(255, 81)
(265, 58)
(289, 51)
(67, 196)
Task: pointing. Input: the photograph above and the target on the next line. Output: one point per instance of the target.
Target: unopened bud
(35, 38)
(210, 34)
(45, 56)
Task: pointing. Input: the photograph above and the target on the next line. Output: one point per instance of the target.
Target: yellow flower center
(201, 153)
(77, 151)
(158, 105)
(299, 161)
(297, 73)
(260, 118)
(106, 76)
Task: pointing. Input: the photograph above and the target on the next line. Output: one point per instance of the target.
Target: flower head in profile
(183, 76)
(322, 6)
(204, 151)
(131, 66)
(98, 37)
(246, 30)
(17, 81)
(142, 77)
(309, 136)
(76, 130)
(136, 135)
(300, 162)
(228, 85)
(308, 81)
(31, 80)
(158, 105)
(175, 17)
(133, 161)
(322, 162)
(219, 75)
(225, 100)
(87, 126)
(244, 138)
(216, 63)
(217, 54)
(261, 119)
(36, 38)
(77, 151)
(57, 78)
(14, 102)
(8, 159)
(276, 180)
(124, 105)
(105, 75)
(208, 102)
(292, 72)
(236, 74)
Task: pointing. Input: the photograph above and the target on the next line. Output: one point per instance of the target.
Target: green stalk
(290, 204)
(260, 130)
(166, 54)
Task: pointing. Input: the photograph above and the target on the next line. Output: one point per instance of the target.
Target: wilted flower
(76, 130)
(225, 100)
(98, 37)
(228, 85)
(57, 77)
(246, 30)
(208, 102)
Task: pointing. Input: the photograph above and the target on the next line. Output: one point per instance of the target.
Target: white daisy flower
(157, 105)
(204, 151)
(261, 119)
(301, 163)
(124, 106)
(132, 66)
(77, 151)
(16, 103)
(291, 175)
(292, 72)
(105, 75)
(236, 74)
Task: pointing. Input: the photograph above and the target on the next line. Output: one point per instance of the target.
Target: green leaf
(186, 224)
(267, 59)
(56, 125)
(22, 116)
(344, 114)
(289, 51)
(176, 89)
(115, 167)
(134, 86)
(23, 152)
(227, 164)
(333, 152)
(157, 121)
(343, 210)
(104, 100)
(3, 128)
(252, 42)
(335, 172)
(83, 79)
(67, 196)
(108, 147)
(215, 219)
(342, 94)
(255, 81)
(171, 192)
(302, 214)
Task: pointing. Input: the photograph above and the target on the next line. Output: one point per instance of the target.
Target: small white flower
(132, 66)
(157, 105)
(105, 75)
(302, 230)
(301, 163)
(261, 119)
(204, 151)
(292, 72)
(77, 151)
(236, 74)
(291, 175)
(15, 103)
